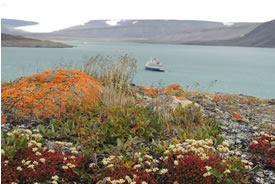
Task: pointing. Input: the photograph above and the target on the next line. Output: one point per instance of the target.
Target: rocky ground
(240, 118)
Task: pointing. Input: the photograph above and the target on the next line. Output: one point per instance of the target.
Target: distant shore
(20, 41)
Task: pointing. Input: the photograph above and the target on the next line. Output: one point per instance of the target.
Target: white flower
(55, 177)
(37, 136)
(206, 174)
(105, 161)
(2, 152)
(155, 169)
(166, 152)
(74, 152)
(51, 151)
(176, 162)
(35, 163)
(28, 132)
(65, 167)
(54, 182)
(39, 145)
(92, 165)
(42, 160)
(38, 154)
(144, 182)
(19, 168)
(71, 165)
(148, 156)
(9, 134)
(137, 166)
(34, 149)
(225, 144)
(227, 171)
(60, 143)
(72, 157)
(31, 166)
(69, 144)
(27, 162)
(163, 171)
(208, 168)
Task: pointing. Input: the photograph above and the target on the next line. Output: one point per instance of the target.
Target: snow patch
(228, 23)
(113, 22)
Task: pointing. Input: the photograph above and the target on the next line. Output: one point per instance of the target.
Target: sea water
(234, 70)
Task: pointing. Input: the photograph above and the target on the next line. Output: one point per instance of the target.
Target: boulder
(46, 94)
(167, 102)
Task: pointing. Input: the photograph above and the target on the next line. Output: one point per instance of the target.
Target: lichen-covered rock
(171, 90)
(46, 94)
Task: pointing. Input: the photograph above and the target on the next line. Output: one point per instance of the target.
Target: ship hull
(154, 69)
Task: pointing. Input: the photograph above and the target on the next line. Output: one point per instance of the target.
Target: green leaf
(77, 172)
(237, 164)
(254, 168)
(229, 181)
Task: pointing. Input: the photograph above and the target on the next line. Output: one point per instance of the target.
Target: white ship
(154, 65)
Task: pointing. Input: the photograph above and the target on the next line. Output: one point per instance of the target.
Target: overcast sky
(58, 14)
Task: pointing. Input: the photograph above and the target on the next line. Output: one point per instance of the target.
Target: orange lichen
(46, 94)
(156, 91)
(236, 116)
(174, 88)
(195, 94)
(217, 96)
(180, 98)
(3, 119)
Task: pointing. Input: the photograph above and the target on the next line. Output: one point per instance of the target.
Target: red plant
(189, 169)
(270, 161)
(28, 167)
(260, 147)
(263, 149)
(136, 175)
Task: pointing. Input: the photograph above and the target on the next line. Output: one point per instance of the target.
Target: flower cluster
(263, 149)
(34, 163)
(193, 161)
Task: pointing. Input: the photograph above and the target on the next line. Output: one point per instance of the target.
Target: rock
(171, 90)
(46, 94)
(174, 89)
(168, 102)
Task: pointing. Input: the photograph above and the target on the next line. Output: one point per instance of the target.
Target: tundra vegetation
(118, 140)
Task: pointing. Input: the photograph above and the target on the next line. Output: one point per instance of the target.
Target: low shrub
(263, 150)
(96, 127)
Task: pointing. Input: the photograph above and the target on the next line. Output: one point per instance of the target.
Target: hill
(262, 36)
(153, 31)
(17, 23)
(8, 40)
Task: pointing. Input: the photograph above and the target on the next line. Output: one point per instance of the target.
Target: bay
(238, 70)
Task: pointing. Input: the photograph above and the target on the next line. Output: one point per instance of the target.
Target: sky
(59, 14)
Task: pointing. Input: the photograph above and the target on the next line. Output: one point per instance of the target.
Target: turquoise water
(249, 71)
